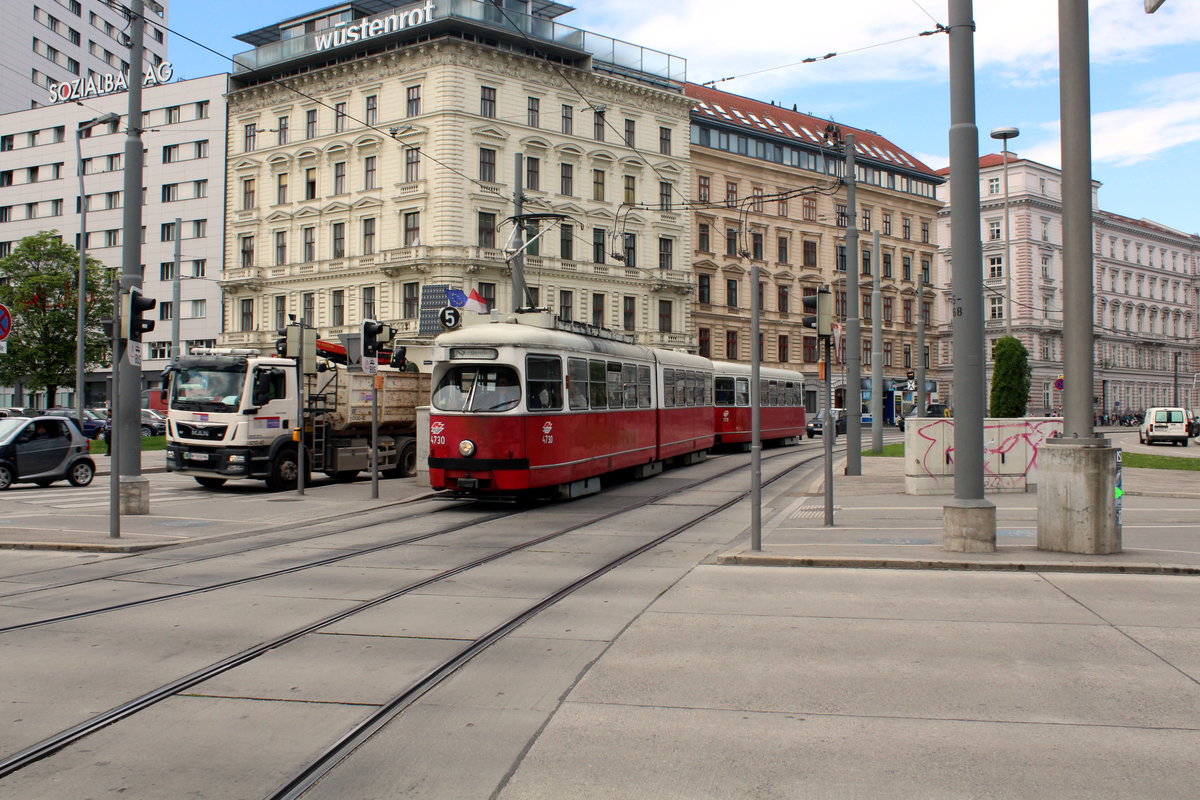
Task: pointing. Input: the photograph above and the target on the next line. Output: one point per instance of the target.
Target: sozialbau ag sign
(109, 83)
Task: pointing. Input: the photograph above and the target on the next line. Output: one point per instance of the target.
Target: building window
(412, 106)
(598, 125)
(906, 228)
(731, 345)
(704, 189)
(887, 353)
(925, 232)
(338, 249)
(310, 124)
(887, 309)
(309, 236)
(995, 267)
(629, 312)
(247, 193)
(369, 172)
(247, 314)
(756, 246)
(783, 349)
(368, 236)
(487, 102)
(630, 133)
(487, 229)
(372, 109)
(782, 298)
(412, 165)
(281, 188)
(994, 232)
(704, 238)
(993, 186)
(629, 248)
(533, 112)
(412, 228)
(731, 193)
(666, 252)
(598, 309)
(810, 254)
(249, 137)
(280, 248)
(566, 303)
(199, 266)
(664, 141)
(782, 249)
(810, 349)
(664, 316)
(598, 237)
(533, 174)
(630, 189)
(368, 302)
(280, 310)
(488, 292)
(906, 268)
(598, 184)
(247, 250)
(808, 209)
(308, 308)
(703, 289)
(704, 341)
(887, 224)
(907, 356)
(567, 179)
(665, 189)
(568, 119)
(995, 308)
(842, 218)
(339, 177)
(487, 165)
(412, 300)
(731, 292)
(310, 183)
(731, 235)
(566, 242)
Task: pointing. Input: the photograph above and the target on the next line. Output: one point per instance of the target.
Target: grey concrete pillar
(1080, 476)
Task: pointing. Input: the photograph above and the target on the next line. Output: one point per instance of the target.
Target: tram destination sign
(108, 83)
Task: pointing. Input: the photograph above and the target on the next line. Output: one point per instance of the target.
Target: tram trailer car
(781, 405)
(520, 407)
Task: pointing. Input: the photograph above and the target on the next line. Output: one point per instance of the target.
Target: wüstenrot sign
(348, 33)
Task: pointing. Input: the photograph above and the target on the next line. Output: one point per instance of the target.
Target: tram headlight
(466, 448)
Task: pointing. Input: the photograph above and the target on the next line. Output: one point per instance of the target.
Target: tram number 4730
(547, 436)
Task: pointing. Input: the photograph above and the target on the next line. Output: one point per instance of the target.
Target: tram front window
(478, 387)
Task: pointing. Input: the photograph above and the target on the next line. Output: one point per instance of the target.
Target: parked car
(816, 425)
(43, 450)
(933, 410)
(153, 423)
(1193, 423)
(92, 424)
(1165, 425)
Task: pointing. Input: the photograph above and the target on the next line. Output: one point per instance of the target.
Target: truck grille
(209, 433)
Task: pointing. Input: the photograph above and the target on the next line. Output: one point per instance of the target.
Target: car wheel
(147, 431)
(6, 477)
(81, 473)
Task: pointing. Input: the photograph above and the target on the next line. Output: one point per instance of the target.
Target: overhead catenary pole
(969, 519)
(853, 322)
(81, 284)
(755, 415)
(175, 279)
(922, 396)
(114, 454)
(126, 418)
(518, 259)
(876, 349)
(828, 431)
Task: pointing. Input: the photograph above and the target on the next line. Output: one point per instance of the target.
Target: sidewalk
(877, 525)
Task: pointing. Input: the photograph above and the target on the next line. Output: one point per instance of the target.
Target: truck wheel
(406, 466)
(344, 475)
(285, 469)
(210, 483)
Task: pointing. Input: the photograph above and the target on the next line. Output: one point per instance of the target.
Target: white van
(1164, 425)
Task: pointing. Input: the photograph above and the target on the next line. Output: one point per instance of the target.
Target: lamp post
(81, 307)
(1004, 134)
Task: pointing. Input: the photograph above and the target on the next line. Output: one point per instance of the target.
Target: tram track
(360, 733)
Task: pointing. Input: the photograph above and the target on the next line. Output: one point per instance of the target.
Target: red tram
(523, 406)
(781, 405)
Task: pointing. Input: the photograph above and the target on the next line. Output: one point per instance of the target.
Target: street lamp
(1004, 134)
(81, 308)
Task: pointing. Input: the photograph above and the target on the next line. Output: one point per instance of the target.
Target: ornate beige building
(372, 159)
(767, 192)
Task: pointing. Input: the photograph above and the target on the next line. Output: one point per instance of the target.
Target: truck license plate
(196, 456)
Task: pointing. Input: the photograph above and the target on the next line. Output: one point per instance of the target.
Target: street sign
(3, 347)
(5, 323)
(370, 365)
(1059, 384)
(134, 349)
(911, 386)
(449, 318)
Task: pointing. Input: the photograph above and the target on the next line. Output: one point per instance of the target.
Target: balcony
(666, 339)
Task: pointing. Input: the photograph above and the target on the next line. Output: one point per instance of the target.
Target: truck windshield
(478, 387)
(207, 389)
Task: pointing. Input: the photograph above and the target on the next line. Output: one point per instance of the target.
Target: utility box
(1010, 453)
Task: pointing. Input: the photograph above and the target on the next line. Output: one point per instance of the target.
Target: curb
(951, 564)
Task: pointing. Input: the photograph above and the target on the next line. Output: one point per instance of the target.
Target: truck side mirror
(399, 357)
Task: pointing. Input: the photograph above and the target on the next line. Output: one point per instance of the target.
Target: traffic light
(288, 343)
(818, 312)
(133, 305)
(372, 338)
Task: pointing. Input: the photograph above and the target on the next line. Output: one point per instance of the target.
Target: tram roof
(740, 370)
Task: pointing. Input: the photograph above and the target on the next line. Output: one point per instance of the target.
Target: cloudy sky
(1145, 73)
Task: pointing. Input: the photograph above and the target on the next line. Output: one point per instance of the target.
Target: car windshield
(9, 427)
(207, 389)
(478, 387)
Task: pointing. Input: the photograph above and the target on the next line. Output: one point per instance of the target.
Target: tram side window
(790, 395)
(598, 382)
(643, 387)
(724, 391)
(616, 393)
(668, 388)
(577, 383)
(773, 394)
(478, 388)
(708, 381)
(680, 388)
(629, 384)
(743, 391)
(689, 391)
(543, 382)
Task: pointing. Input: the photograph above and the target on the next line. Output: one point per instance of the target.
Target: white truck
(235, 414)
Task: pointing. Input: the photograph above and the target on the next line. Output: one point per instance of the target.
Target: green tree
(1011, 377)
(40, 291)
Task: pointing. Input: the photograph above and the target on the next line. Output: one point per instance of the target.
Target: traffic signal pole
(126, 405)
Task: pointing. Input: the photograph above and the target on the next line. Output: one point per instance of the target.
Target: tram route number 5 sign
(450, 318)
(5, 328)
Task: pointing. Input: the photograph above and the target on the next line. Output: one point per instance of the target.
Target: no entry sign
(5, 323)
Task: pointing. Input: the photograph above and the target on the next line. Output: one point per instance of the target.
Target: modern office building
(372, 165)
(41, 157)
(69, 49)
(767, 192)
(1146, 285)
